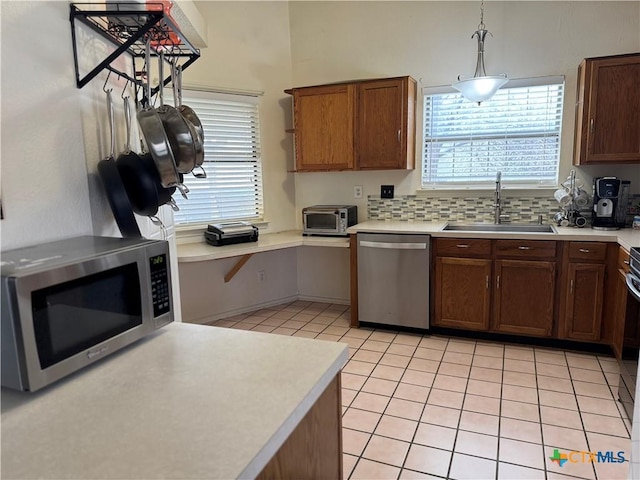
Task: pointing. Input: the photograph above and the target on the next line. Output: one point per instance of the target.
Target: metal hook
(104, 87)
(125, 89)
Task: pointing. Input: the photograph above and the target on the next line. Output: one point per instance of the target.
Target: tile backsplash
(469, 209)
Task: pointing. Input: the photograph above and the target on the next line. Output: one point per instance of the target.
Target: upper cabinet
(608, 111)
(363, 125)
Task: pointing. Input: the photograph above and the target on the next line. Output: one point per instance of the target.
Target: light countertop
(189, 402)
(201, 251)
(626, 237)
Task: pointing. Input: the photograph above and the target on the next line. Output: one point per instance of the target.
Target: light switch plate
(386, 191)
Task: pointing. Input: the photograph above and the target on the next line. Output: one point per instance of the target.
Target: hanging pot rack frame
(128, 28)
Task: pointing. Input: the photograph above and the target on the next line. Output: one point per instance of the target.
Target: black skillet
(114, 188)
(139, 180)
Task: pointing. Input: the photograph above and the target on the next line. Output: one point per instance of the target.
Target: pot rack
(127, 27)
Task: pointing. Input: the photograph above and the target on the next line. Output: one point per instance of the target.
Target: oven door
(321, 222)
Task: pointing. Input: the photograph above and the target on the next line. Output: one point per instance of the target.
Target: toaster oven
(328, 220)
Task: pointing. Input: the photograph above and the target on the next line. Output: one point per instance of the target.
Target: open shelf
(128, 26)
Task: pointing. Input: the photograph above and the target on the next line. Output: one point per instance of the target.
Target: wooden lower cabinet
(314, 448)
(463, 296)
(584, 294)
(524, 297)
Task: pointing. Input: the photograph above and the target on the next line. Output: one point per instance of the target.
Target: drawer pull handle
(498, 281)
(571, 287)
(626, 262)
(584, 250)
(524, 248)
(463, 245)
(487, 286)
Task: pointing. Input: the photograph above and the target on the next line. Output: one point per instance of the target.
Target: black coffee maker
(610, 197)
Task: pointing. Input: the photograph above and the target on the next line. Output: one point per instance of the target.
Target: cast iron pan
(114, 188)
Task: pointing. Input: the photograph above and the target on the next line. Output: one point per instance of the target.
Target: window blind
(233, 187)
(516, 132)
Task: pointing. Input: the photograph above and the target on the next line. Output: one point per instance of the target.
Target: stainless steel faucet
(497, 205)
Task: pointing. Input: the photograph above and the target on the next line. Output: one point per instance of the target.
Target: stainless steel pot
(180, 133)
(190, 115)
(156, 138)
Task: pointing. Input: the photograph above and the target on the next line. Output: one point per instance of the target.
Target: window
(516, 132)
(233, 187)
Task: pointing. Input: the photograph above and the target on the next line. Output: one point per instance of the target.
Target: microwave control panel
(160, 291)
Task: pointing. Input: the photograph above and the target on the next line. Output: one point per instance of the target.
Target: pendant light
(482, 86)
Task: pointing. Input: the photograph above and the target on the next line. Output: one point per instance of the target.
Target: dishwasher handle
(394, 245)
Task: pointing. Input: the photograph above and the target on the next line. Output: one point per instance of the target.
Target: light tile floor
(427, 406)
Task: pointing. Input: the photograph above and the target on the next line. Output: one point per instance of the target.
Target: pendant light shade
(481, 86)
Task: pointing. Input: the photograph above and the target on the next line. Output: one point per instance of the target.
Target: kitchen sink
(501, 227)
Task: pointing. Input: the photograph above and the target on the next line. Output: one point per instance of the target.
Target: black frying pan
(139, 181)
(114, 188)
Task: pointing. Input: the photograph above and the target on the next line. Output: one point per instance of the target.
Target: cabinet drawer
(525, 248)
(623, 260)
(463, 247)
(587, 251)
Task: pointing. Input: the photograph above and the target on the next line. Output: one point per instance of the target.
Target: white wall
(431, 41)
(249, 50)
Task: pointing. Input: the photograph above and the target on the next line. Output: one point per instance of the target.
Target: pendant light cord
(481, 25)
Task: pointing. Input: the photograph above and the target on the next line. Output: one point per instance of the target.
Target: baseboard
(238, 311)
(311, 298)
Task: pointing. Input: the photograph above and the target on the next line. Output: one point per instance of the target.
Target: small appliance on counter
(610, 197)
(229, 233)
(67, 304)
(328, 220)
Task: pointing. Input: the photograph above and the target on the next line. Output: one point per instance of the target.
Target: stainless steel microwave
(328, 219)
(69, 303)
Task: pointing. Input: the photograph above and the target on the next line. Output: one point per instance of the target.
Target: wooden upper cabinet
(385, 131)
(608, 111)
(324, 127)
(361, 125)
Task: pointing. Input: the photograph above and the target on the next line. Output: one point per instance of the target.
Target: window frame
(205, 94)
(426, 186)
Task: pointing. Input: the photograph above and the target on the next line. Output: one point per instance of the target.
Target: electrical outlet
(262, 276)
(386, 191)
(357, 191)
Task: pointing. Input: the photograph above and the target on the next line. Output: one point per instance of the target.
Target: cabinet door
(610, 117)
(583, 316)
(524, 297)
(462, 298)
(324, 127)
(386, 124)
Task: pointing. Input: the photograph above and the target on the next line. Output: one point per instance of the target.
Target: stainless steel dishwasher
(393, 279)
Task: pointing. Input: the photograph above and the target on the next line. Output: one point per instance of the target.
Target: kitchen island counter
(190, 401)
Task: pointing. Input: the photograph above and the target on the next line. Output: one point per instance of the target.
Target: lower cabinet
(583, 291)
(462, 298)
(503, 286)
(524, 297)
(567, 290)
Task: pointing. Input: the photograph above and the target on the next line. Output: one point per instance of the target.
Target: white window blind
(233, 187)
(516, 132)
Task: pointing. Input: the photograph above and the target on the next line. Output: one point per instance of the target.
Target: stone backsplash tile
(469, 209)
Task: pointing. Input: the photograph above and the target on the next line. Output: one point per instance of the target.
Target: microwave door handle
(631, 278)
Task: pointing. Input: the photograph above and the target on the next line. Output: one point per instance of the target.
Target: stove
(631, 348)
